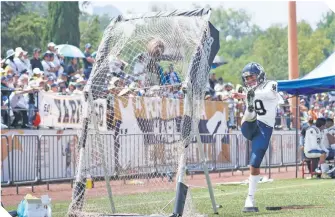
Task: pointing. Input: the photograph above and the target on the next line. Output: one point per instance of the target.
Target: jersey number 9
(259, 107)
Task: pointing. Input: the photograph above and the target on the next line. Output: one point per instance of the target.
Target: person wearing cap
(88, 61)
(56, 58)
(36, 61)
(10, 60)
(5, 93)
(37, 73)
(54, 88)
(20, 60)
(48, 66)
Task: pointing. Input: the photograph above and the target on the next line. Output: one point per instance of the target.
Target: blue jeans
(31, 113)
(87, 73)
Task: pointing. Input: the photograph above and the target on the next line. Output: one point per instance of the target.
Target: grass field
(231, 197)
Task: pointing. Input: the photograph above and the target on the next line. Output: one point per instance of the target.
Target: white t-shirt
(13, 66)
(266, 101)
(47, 65)
(21, 65)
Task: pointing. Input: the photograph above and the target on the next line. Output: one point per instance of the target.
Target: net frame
(194, 100)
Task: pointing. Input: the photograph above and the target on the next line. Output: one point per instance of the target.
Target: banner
(61, 111)
(130, 115)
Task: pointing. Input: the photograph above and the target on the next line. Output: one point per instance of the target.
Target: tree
(9, 10)
(63, 23)
(41, 8)
(90, 33)
(26, 31)
(235, 23)
(327, 24)
(311, 50)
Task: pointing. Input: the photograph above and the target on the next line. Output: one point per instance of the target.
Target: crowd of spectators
(22, 78)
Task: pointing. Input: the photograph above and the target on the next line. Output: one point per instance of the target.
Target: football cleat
(250, 209)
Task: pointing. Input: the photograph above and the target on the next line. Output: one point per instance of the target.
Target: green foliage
(90, 33)
(9, 10)
(235, 23)
(63, 23)
(26, 31)
(270, 47)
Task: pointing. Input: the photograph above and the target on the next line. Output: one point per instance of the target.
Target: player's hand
(238, 96)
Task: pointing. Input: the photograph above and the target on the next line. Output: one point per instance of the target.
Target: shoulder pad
(271, 85)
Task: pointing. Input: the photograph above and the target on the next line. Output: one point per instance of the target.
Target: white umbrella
(69, 51)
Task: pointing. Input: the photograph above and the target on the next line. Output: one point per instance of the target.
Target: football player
(258, 121)
(328, 139)
(314, 147)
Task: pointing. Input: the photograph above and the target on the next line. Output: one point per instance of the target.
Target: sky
(264, 13)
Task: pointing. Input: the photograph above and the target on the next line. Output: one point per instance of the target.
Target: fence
(32, 159)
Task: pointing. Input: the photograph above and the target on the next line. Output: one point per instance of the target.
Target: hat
(88, 45)
(51, 44)
(18, 51)
(9, 76)
(54, 85)
(51, 78)
(36, 50)
(10, 53)
(37, 71)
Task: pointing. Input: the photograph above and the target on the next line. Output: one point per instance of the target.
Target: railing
(33, 159)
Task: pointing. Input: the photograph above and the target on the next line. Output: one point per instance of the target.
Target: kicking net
(143, 102)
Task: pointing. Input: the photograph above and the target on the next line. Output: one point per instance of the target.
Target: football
(156, 47)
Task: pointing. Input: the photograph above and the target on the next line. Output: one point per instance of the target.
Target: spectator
(19, 104)
(56, 60)
(312, 113)
(219, 86)
(5, 93)
(36, 62)
(54, 88)
(20, 61)
(88, 61)
(173, 76)
(139, 69)
(72, 69)
(37, 74)
(212, 80)
(48, 66)
(10, 61)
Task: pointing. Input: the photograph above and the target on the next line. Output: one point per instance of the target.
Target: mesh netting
(153, 70)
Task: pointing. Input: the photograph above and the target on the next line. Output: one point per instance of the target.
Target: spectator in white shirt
(20, 61)
(57, 60)
(48, 66)
(10, 61)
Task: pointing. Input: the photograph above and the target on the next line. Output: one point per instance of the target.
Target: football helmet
(253, 75)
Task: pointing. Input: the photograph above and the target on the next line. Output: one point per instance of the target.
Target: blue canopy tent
(321, 79)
